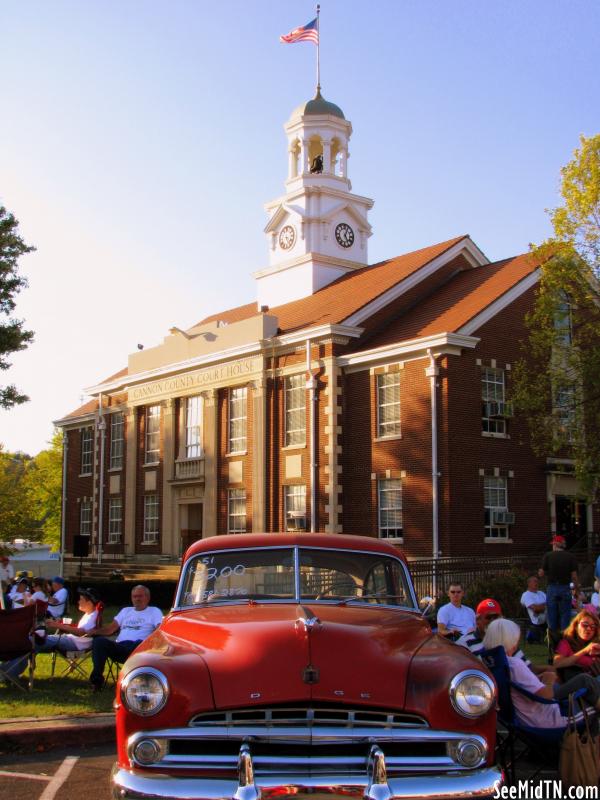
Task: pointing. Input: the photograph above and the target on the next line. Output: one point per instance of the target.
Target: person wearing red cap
(560, 568)
(487, 611)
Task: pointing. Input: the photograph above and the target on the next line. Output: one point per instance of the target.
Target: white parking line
(61, 775)
(31, 777)
(54, 781)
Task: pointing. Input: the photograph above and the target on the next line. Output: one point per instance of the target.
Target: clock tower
(318, 230)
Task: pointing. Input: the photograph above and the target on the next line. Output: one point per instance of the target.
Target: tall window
(495, 501)
(390, 508)
(388, 404)
(115, 520)
(563, 324)
(493, 407)
(295, 507)
(295, 410)
(150, 519)
(116, 441)
(236, 511)
(193, 427)
(152, 449)
(564, 409)
(87, 450)
(85, 518)
(238, 417)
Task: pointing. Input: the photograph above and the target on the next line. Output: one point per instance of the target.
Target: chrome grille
(310, 718)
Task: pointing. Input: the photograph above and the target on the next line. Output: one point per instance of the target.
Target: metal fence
(432, 576)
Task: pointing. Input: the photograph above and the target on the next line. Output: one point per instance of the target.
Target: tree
(557, 383)
(42, 483)
(15, 520)
(13, 336)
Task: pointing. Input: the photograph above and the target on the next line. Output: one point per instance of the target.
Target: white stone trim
(465, 247)
(443, 343)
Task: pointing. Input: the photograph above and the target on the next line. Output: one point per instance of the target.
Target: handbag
(578, 763)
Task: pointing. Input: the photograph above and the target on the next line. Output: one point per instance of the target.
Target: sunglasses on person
(491, 617)
(588, 626)
(456, 591)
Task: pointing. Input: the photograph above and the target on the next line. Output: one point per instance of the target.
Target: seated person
(19, 594)
(595, 598)
(133, 624)
(507, 633)
(454, 619)
(58, 602)
(487, 611)
(73, 637)
(534, 600)
(579, 649)
(38, 590)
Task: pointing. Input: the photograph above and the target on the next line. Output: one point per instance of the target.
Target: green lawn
(55, 695)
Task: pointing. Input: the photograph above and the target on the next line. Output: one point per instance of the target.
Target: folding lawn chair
(75, 659)
(16, 642)
(517, 741)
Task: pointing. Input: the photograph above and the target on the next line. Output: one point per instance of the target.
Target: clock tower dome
(318, 230)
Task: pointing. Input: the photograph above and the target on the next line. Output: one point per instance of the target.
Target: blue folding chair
(541, 744)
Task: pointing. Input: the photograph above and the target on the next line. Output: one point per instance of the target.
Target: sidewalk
(36, 734)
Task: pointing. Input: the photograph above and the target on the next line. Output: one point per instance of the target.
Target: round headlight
(144, 691)
(472, 693)
(468, 753)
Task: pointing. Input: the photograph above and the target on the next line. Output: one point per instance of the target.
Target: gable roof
(460, 300)
(334, 303)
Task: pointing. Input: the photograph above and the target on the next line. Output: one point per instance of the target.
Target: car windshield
(295, 574)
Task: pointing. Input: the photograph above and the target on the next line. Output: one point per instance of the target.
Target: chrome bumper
(480, 783)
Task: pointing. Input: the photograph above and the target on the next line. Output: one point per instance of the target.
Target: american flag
(306, 33)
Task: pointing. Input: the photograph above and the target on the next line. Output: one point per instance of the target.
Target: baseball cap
(58, 579)
(89, 594)
(558, 540)
(488, 606)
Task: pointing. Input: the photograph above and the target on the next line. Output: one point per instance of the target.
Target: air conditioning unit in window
(296, 521)
(498, 408)
(503, 518)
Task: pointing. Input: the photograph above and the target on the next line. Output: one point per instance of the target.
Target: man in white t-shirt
(534, 601)
(58, 602)
(454, 619)
(134, 624)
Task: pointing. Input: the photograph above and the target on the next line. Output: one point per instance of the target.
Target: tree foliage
(30, 494)
(42, 483)
(557, 383)
(13, 336)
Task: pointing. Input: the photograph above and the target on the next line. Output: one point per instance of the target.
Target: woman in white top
(19, 594)
(507, 633)
(73, 637)
(38, 586)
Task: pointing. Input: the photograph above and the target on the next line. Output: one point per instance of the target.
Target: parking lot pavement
(65, 774)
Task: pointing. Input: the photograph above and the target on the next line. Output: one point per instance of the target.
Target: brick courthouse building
(371, 400)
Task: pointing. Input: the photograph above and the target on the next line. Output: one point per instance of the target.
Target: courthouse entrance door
(571, 518)
(191, 524)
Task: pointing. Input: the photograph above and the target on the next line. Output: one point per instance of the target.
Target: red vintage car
(300, 664)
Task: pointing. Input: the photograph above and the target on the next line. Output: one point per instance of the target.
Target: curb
(37, 734)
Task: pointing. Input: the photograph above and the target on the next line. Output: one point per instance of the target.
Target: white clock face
(344, 235)
(287, 237)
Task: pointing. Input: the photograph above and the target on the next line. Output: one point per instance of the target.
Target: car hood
(282, 653)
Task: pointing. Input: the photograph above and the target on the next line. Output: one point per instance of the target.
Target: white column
(211, 459)
(304, 156)
(259, 464)
(292, 162)
(327, 156)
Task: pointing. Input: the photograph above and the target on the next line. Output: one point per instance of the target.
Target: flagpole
(318, 51)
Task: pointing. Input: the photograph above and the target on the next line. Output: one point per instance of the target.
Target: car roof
(329, 540)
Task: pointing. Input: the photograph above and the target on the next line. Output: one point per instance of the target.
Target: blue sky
(140, 140)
